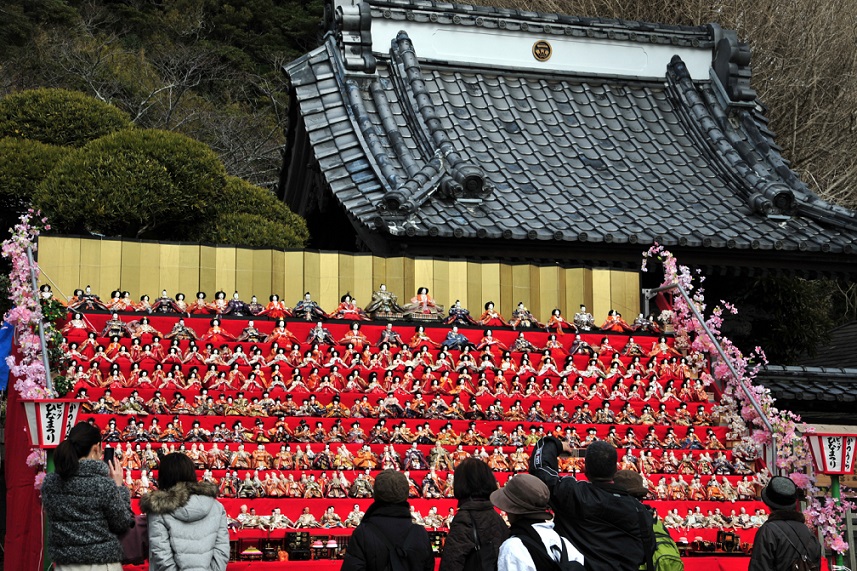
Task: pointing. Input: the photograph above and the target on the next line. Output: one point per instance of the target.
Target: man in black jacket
(612, 529)
(386, 537)
(784, 537)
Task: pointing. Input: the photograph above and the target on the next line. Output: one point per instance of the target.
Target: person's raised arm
(544, 463)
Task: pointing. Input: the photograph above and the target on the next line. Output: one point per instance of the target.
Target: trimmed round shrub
(58, 117)
(23, 165)
(240, 196)
(134, 183)
(255, 230)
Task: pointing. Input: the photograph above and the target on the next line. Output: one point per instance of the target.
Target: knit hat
(631, 482)
(780, 494)
(524, 495)
(391, 487)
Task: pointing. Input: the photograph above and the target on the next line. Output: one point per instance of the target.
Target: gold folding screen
(149, 267)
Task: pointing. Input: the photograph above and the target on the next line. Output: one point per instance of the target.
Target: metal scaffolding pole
(35, 282)
(772, 459)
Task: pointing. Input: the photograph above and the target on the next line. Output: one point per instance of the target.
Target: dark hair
(600, 461)
(175, 468)
(473, 479)
(80, 441)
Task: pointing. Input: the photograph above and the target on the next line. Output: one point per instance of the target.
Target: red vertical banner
(23, 548)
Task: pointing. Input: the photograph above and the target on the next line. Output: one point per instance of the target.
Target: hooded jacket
(187, 528)
(86, 512)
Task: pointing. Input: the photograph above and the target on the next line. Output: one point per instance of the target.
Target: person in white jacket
(533, 544)
(187, 525)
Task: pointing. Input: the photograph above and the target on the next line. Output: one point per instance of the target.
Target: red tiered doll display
(293, 418)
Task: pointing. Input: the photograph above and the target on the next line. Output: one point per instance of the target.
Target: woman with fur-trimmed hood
(187, 525)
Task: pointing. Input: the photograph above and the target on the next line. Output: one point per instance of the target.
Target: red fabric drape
(23, 547)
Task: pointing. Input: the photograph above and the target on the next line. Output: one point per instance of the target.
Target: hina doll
(347, 309)
(308, 309)
(220, 305)
(490, 317)
(459, 316)
(85, 300)
(166, 304)
(216, 334)
(275, 309)
(355, 337)
(423, 306)
(199, 306)
(237, 307)
(521, 317)
(583, 320)
(384, 304)
(558, 323)
(615, 322)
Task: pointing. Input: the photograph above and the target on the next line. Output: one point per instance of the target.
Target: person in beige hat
(533, 545)
(386, 537)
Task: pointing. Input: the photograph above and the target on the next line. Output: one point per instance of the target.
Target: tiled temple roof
(617, 150)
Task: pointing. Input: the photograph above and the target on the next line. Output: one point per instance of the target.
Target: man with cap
(533, 540)
(784, 537)
(612, 529)
(386, 537)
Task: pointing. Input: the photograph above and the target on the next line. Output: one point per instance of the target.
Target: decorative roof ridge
(804, 369)
(641, 31)
(807, 203)
(707, 123)
(402, 197)
(468, 179)
(370, 135)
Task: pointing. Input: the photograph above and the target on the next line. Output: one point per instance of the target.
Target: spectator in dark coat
(473, 484)
(387, 526)
(612, 529)
(86, 503)
(784, 537)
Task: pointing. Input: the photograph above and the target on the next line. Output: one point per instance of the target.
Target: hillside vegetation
(204, 68)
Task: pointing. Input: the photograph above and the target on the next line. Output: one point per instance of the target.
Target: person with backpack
(477, 531)
(386, 538)
(611, 529)
(533, 544)
(666, 556)
(784, 542)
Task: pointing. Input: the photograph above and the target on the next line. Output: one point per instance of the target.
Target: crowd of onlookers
(553, 522)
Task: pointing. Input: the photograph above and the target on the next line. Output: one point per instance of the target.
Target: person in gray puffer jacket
(86, 504)
(187, 525)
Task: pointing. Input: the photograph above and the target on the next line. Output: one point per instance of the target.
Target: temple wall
(148, 267)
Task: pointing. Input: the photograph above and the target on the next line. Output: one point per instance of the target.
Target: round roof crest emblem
(542, 50)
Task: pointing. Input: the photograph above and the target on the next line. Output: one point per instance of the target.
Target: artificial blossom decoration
(26, 312)
(735, 409)
(38, 460)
